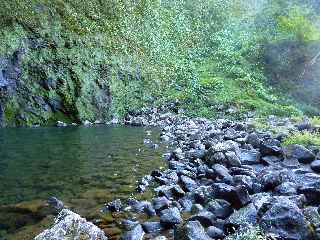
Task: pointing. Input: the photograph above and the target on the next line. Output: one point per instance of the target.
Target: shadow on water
(85, 167)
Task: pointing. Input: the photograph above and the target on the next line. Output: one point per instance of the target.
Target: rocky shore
(225, 180)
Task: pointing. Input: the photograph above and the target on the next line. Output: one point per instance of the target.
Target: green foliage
(114, 57)
(303, 138)
(297, 23)
(248, 234)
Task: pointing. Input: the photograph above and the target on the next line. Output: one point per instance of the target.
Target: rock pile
(225, 177)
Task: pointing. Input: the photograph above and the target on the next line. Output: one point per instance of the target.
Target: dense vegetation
(101, 59)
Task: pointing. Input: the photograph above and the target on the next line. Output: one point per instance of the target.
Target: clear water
(73, 163)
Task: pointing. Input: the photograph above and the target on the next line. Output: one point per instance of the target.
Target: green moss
(303, 138)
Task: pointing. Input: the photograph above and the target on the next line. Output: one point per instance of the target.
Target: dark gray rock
(191, 231)
(237, 196)
(285, 220)
(270, 147)
(152, 227)
(271, 160)
(302, 154)
(206, 218)
(220, 208)
(312, 192)
(315, 166)
(232, 159)
(160, 203)
(129, 224)
(249, 157)
(188, 184)
(244, 181)
(286, 188)
(170, 217)
(186, 204)
(222, 174)
(136, 233)
(215, 233)
(254, 140)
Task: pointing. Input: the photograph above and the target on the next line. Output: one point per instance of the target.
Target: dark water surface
(82, 166)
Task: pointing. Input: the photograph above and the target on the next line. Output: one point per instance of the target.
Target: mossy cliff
(94, 60)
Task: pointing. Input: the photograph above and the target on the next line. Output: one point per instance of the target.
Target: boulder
(315, 166)
(170, 217)
(68, 222)
(188, 184)
(285, 220)
(160, 203)
(215, 233)
(152, 227)
(249, 157)
(192, 230)
(206, 218)
(136, 233)
(312, 192)
(220, 208)
(237, 196)
(302, 154)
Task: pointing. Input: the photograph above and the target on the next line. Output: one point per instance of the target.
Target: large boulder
(285, 220)
(249, 157)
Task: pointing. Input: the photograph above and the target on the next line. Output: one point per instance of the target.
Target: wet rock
(206, 218)
(152, 227)
(170, 217)
(191, 231)
(315, 166)
(237, 196)
(285, 220)
(188, 184)
(249, 157)
(215, 233)
(68, 222)
(136, 233)
(220, 208)
(61, 124)
(55, 203)
(302, 154)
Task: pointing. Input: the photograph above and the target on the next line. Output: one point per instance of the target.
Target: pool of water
(82, 166)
